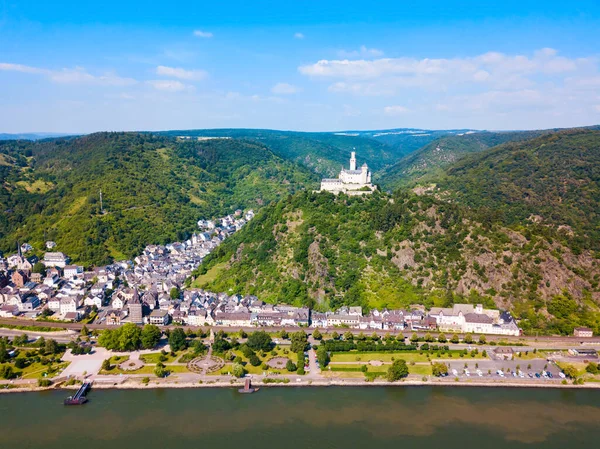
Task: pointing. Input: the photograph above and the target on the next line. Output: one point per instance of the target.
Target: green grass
(154, 357)
(391, 356)
(209, 276)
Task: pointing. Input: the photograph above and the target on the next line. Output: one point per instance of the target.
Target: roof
(478, 318)
(158, 313)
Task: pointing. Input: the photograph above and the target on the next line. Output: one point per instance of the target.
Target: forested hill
(553, 181)
(154, 189)
(381, 251)
(430, 160)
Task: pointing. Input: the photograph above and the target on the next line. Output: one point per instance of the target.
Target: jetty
(79, 398)
(248, 387)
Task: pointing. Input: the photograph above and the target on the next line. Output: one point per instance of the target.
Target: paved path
(314, 371)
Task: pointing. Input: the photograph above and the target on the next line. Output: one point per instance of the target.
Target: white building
(353, 181)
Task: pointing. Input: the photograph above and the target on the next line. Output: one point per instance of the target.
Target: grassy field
(391, 356)
(210, 275)
(154, 357)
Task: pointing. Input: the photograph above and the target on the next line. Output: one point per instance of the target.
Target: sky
(78, 67)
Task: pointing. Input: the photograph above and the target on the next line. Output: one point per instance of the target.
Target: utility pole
(101, 208)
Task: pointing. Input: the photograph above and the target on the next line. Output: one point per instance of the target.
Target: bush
(290, 366)
(254, 360)
(43, 382)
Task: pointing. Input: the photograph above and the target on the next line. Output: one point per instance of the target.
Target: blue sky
(68, 66)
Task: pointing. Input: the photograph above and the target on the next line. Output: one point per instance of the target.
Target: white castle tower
(353, 161)
(352, 182)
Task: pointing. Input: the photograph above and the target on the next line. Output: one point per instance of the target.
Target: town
(154, 288)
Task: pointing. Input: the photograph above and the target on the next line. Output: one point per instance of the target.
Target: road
(552, 341)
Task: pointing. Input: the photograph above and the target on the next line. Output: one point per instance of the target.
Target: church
(351, 182)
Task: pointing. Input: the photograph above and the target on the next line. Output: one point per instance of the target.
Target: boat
(79, 397)
(248, 387)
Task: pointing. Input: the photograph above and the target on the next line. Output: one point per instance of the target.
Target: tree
(242, 333)
(335, 335)
(439, 369)
(20, 363)
(482, 340)
(283, 334)
(468, 338)
(397, 370)
(290, 366)
(454, 339)
(129, 338)
(317, 335)
(21, 340)
(106, 365)
(570, 371)
(442, 338)
(299, 341)
(238, 370)
(161, 370)
(428, 337)
(254, 360)
(177, 339)
(174, 293)
(40, 268)
(259, 341)
(150, 336)
(51, 347)
(7, 372)
(84, 331)
(322, 356)
(592, 368)
(348, 336)
(414, 337)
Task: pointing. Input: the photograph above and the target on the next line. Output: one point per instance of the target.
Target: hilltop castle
(352, 182)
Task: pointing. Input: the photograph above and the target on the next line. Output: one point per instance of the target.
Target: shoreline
(100, 385)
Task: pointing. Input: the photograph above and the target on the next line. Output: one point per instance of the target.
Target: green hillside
(553, 180)
(468, 240)
(430, 160)
(323, 153)
(154, 189)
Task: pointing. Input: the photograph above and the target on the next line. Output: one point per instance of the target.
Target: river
(307, 418)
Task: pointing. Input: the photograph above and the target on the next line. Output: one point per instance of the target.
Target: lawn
(409, 356)
(154, 357)
(210, 275)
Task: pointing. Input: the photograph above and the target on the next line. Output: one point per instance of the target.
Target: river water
(307, 418)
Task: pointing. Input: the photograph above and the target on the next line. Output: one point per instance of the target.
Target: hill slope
(430, 160)
(154, 189)
(553, 180)
(443, 245)
(323, 153)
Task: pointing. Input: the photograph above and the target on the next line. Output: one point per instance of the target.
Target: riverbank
(135, 384)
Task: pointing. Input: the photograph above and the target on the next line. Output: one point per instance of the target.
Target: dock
(79, 398)
(248, 387)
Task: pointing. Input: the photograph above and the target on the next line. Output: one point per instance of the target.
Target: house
(55, 259)
(72, 316)
(9, 311)
(36, 277)
(118, 302)
(318, 319)
(54, 303)
(93, 300)
(72, 271)
(159, 317)
(233, 319)
(19, 278)
(69, 304)
(113, 318)
(52, 280)
(31, 303)
(583, 332)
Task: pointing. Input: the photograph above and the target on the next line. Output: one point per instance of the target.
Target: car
(479, 373)
(537, 375)
(550, 375)
(562, 375)
(467, 373)
(530, 375)
(455, 372)
(514, 374)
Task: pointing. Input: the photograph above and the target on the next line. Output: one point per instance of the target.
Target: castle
(352, 182)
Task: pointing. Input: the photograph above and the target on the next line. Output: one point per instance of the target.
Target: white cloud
(395, 110)
(285, 89)
(203, 34)
(362, 52)
(169, 85)
(299, 36)
(78, 75)
(176, 72)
